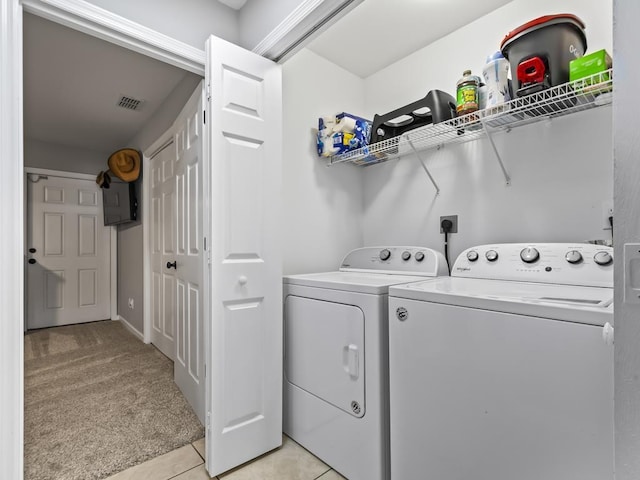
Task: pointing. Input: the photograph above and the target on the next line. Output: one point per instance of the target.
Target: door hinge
(208, 92)
(208, 420)
(208, 253)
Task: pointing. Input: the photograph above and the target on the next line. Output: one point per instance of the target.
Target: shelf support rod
(424, 166)
(497, 154)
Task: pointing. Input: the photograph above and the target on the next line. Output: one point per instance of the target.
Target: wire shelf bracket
(488, 131)
(424, 165)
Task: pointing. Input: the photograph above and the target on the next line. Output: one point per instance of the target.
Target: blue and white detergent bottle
(495, 74)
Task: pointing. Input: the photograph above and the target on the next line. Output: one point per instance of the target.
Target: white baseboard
(131, 328)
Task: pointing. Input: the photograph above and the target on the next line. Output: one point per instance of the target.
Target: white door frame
(113, 234)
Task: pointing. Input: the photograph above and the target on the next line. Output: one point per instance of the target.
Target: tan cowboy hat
(125, 164)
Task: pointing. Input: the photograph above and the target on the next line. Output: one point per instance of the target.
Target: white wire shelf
(571, 97)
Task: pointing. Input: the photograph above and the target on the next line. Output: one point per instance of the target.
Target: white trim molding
(307, 20)
(131, 328)
(11, 242)
(101, 23)
(58, 173)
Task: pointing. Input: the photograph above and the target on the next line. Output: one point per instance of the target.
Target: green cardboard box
(592, 64)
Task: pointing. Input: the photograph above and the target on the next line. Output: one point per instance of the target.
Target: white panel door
(163, 250)
(68, 253)
(189, 254)
(244, 122)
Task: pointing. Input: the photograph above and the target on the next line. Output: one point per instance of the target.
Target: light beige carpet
(97, 401)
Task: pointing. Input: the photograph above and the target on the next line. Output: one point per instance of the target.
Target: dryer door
(324, 351)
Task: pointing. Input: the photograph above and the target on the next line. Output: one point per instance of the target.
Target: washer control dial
(406, 255)
(573, 256)
(491, 255)
(603, 258)
(529, 255)
(385, 254)
(472, 255)
(419, 256)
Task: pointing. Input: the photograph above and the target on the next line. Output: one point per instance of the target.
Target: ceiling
(73, 82)
(377, 33)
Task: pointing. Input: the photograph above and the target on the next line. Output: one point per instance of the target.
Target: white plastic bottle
(495, 74)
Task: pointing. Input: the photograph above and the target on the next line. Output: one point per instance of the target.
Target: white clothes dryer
(505, 370)
(336, 356)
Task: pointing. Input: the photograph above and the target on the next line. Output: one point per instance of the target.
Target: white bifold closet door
(244, 365)
(177, 252)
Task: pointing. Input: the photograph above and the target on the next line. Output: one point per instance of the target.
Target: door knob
(32, 261)
(32, 250)
(172, 265)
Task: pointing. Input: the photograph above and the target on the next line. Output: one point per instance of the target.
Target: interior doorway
(90, 126)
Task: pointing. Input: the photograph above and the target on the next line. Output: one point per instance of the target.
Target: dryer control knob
(529, 255)
(574, 256)
(603, 258)
(419, 256)
(472, 255)
(406, 255)
(491, 255)
(385, 254)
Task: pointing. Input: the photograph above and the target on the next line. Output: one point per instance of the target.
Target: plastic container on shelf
(539, 51)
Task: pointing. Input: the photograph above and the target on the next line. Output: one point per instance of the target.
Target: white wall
(627, 230)
(190, 21)
(562, 170)
(322, 206)
(39, 154)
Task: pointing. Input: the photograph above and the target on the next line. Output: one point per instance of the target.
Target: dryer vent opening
(130, 103)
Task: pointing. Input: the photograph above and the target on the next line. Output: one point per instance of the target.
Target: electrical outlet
(454, 221)
(607, 211)
(131, 303)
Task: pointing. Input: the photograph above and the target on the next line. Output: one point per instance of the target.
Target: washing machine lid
(360, 282)
(588, 305)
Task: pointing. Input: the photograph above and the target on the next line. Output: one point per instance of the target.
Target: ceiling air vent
(130, 103)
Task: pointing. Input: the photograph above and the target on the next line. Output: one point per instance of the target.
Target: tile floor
(289, 462)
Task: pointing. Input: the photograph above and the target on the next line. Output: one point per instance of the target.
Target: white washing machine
(504, 371)
(336, 356)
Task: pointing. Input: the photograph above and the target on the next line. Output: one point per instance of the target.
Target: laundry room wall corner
(322, 207)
